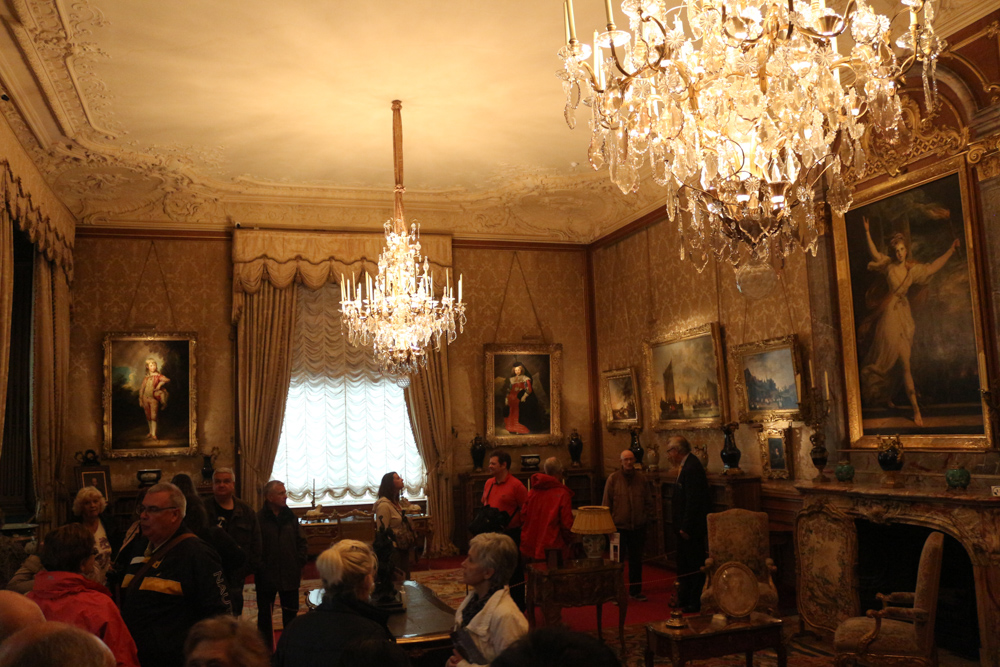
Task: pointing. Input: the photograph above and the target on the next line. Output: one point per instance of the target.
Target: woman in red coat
(548, 513)
(66, 595)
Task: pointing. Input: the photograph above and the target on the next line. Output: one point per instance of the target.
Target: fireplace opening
(888, 558)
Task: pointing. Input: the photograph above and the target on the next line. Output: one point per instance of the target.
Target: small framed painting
(768, 380)
(523, 387)
(149, 395)
(775, 457)
(96, 476)
(684, 374)
(621, 399)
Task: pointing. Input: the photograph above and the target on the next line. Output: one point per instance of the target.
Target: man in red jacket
(548, 513)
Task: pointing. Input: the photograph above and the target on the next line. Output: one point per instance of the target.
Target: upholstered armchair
(897, 635)
(742, 536)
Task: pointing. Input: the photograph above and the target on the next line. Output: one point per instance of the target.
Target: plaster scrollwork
(918, 137)
(880, 511)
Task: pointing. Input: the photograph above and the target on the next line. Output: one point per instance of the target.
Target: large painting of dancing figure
(523, 386)
(149, 395)
(914, 355)
(686, 379)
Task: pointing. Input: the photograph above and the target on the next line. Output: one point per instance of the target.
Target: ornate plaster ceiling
(190, 114)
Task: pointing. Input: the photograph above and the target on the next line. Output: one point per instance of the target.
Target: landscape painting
(685, 379)
(621, 399)
(768, 380)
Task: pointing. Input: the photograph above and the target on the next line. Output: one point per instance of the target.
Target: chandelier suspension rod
(399, 224)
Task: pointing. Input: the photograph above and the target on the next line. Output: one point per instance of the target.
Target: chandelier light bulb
(743, 109)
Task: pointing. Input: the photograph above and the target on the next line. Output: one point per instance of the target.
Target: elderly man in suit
(691, 503)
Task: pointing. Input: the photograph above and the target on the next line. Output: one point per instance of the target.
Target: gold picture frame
(768, 378)
(523, 408)
(926, 217)
(776, 459)
(699, 368)
(620, 396)
(150, 396)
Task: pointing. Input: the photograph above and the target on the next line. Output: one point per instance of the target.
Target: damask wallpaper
(156, 285)
(505, 290)
(643, 289)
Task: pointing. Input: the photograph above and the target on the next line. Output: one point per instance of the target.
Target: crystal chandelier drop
(397, 312)
(742, 106)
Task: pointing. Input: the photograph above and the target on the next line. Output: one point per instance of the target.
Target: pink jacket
(72, 598)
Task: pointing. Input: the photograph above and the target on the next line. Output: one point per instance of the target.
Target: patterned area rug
(802, 652)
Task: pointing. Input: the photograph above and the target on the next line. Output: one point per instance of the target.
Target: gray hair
(85, 494)
(679, 442)
(222, 470)
(177, 498)
(52, 643)
(270, 485)
(245, 647)
(497, 552)
(552, 467)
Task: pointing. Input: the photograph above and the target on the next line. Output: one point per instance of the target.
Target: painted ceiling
(201, 114)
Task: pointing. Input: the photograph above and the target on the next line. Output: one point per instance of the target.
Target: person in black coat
(283, 553)
(320, 637)
(690, 503)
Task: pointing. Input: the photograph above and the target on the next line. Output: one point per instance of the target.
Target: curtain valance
(312, 258)
(52, 236)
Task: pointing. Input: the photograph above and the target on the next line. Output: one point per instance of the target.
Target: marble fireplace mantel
(826, 547)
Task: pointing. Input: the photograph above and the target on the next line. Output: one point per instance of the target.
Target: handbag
(489, 519)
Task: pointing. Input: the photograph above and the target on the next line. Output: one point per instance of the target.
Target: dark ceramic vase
(636, 447)
(206, 468)
(730, 454)
(575, 448)
(890, 459)
(478, 451)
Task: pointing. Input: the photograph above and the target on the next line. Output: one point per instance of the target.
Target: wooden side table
(581, 583)
(714, 636)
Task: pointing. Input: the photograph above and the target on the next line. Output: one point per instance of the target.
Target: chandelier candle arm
(743, 112)
(396, 311)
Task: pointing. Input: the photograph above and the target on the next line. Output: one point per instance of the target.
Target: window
(345, 425)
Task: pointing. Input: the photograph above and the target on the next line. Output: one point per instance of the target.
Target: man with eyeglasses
(176, 582)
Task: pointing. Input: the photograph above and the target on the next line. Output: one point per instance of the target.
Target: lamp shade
(593, 520)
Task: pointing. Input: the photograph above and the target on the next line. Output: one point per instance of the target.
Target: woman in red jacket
(66, 595)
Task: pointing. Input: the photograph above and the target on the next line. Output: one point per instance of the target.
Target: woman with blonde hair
(319, 637)
(89, 506)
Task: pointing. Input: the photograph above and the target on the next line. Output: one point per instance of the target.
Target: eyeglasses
(153, 509)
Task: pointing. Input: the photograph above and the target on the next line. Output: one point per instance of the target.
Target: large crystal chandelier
(397, 312)
(743, 107)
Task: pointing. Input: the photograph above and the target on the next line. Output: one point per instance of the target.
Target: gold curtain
(264, 362)
(428, 399)
(51, 369)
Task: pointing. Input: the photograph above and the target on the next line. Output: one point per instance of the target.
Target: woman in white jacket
(488, 616)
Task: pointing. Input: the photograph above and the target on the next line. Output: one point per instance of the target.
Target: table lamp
(593, 522)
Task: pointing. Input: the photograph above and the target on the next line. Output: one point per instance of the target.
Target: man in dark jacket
(240, 521)
(691, 503)
(283, 553)
(176, 583)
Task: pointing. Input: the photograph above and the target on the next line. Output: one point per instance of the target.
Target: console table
(714, 636)
(581, 583)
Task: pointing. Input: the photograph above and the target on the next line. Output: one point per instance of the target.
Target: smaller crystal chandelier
(744, 108)
(397, 312)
